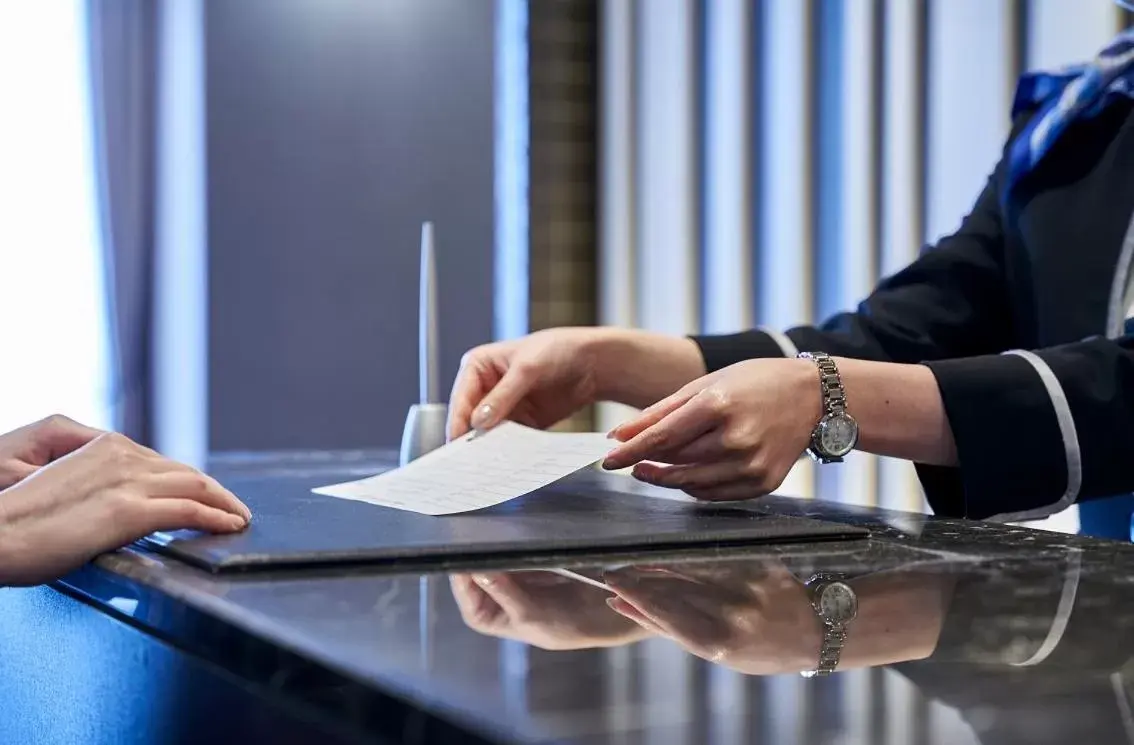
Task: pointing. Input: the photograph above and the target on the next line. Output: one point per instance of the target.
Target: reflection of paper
(580, 578)
(478, 471)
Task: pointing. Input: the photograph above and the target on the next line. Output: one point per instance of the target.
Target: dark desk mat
(294, 528)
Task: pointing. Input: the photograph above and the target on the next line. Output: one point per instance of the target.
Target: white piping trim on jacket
(1070, 442)
(1062, 613)
(1121, 287)
(783, 341)
(1123, 705)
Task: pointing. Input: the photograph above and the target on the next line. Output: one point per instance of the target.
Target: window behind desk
(54, 344)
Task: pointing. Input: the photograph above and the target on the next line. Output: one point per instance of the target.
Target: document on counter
(479, 470)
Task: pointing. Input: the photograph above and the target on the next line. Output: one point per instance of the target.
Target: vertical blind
(765, 162)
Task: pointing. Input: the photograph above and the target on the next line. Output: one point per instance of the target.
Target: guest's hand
(543, 378)
(734, 434)
(104, 495)
(754, 617)
(541, 609)
(27, 449)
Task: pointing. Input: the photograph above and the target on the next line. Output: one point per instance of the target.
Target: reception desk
(966, 633)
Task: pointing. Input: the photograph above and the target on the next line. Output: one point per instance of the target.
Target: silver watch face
(837, 603)
(837, 435)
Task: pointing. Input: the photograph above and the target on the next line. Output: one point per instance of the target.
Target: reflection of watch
(836, 434)
(836, 604)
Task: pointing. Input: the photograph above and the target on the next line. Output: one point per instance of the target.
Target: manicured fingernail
(482, 579)
(482, 417)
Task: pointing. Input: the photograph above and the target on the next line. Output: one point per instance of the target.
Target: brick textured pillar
(563, 75)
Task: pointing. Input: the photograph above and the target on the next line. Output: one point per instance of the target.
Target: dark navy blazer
(1011, 314)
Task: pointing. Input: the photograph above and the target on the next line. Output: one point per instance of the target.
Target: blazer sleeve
(952, 301)
(1036, 430)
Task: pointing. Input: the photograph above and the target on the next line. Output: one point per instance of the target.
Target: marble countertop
(967, 633)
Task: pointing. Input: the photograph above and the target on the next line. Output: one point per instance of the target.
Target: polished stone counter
(967, 633)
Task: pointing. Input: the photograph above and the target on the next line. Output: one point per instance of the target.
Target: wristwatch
(836, 604)
(836, 434)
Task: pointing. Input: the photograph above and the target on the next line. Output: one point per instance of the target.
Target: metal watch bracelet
(830, 382)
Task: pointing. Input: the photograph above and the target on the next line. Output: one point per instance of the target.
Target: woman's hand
(543, 378)
(104, 495)
(542, 609)
(731, 435)
(27, 449)
(754, 617)
(736, 433)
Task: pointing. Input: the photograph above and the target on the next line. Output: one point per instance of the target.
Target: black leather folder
(294, 528)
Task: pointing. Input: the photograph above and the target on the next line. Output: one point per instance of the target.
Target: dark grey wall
(334, 128)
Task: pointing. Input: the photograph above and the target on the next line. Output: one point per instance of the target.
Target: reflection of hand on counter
(757, 618)
(542, 609)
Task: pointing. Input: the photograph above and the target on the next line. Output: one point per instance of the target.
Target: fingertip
(235, 505)
(484, 416)
(483, 580)
(218, 521)
(501, 580)
(639, 470)
(629, 612)
(503, 589)
(617, 459)
(211, 520)
(238, 507)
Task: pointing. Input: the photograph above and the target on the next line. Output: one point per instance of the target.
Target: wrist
(900, 619)
(639, 368)
(899, 410)
(834, 430)
(808, 393)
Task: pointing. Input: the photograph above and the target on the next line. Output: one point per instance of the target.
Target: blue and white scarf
(1063, 96)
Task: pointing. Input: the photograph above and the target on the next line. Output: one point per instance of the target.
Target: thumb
(504, 397)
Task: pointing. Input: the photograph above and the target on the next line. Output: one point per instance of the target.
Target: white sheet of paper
(475, 472)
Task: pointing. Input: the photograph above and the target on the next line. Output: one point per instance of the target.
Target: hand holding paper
(478, 471)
